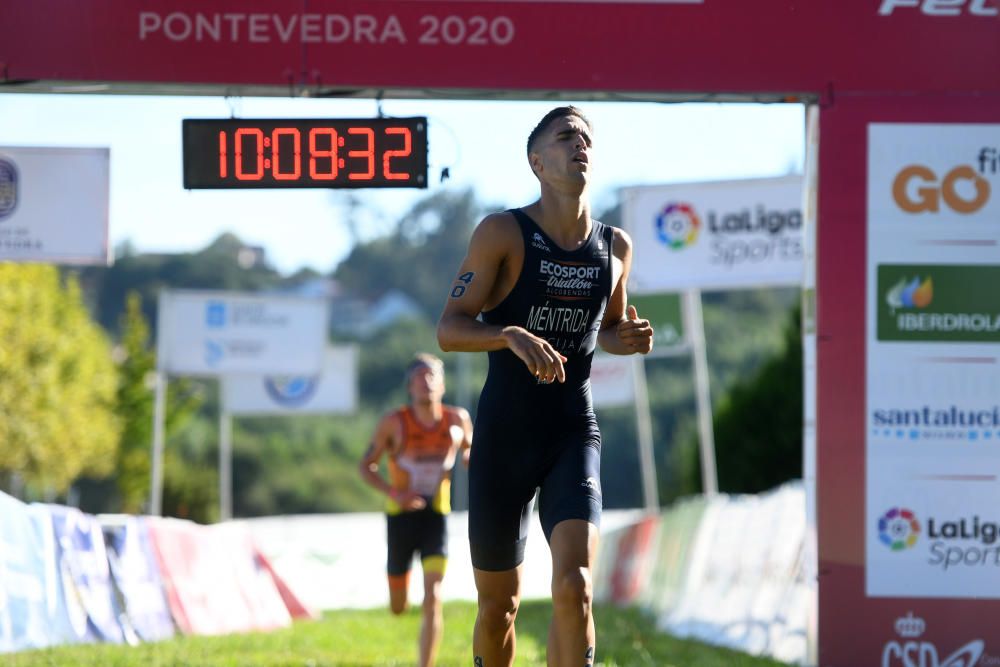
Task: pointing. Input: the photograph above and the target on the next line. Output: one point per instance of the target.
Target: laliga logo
(677, 225)
(909, 652)
(916, 189)
(898, 529)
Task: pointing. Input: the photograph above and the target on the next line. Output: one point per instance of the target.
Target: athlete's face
(563, 151)
(426, 385)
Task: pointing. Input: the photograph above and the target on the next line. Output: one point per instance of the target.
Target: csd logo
(917, 189)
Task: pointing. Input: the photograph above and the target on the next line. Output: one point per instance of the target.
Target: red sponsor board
(211, 581)
(855, 629)
(686, 47)
(633, 561)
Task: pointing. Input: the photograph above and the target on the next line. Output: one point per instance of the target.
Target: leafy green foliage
(135, 406)
(57, 382)
(758, 425)
(226, 264)
(375, 638)
(421, 256)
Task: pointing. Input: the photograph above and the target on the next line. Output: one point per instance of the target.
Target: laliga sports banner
(723, 235)
(908, 470)
(933, 346)
(333, 391)
(54, 205)
(219, 333)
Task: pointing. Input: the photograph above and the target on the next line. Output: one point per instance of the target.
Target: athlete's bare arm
(622, 332)
(466, 446)
(485, 277)
(387, 439)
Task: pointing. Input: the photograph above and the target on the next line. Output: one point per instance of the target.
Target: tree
(421, 256)
(758, 425)
(57, 382)
(135, 406)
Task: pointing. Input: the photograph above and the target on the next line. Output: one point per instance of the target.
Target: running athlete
(422, 441)
(549, 281)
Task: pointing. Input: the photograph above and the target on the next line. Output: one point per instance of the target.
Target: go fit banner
(715, 235)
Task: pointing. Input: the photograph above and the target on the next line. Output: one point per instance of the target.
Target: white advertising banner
(720, 235)
(334, 391)
(933, 361)
(54, 205)
(612, 380)
(222, 333)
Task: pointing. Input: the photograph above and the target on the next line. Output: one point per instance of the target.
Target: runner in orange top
(422, 441)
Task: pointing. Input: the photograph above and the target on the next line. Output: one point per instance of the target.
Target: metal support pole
(696, 328)
(644, 427)
(225, 465)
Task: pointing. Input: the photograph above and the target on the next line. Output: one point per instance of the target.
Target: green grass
(375, 638)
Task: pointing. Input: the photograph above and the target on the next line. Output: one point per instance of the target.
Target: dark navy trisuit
(532, 435)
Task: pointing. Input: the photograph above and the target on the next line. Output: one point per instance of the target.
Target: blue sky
(481, 143)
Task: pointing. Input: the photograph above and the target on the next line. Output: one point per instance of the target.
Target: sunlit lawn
(370, 638)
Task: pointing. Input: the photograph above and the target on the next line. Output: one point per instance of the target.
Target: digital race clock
(305, 153)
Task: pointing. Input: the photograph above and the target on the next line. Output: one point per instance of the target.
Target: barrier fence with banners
(726, 570)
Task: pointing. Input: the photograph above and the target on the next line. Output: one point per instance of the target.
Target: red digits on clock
(369, 153)
(317, 152)
(276, 151)
(222, 155)
(258, 137)
(399, 153)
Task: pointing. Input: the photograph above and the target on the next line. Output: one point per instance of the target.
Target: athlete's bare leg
(432, 624)
(571, 635)
(493, 640)
(399, 585)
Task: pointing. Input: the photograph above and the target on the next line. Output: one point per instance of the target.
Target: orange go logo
(917, 189)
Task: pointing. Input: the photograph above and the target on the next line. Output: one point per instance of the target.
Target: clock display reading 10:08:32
(305, 153)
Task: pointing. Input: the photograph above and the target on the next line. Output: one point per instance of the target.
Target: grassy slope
(373, 638)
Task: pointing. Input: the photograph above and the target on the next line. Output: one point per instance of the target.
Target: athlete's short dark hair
(425, 360)
(558, 112)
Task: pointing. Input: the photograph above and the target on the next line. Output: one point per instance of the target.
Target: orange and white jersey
(423, 460)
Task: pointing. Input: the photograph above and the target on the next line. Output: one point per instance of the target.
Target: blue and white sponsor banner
(932, 518)
(86, 578)
(715, 235)
(222, 333)
(54, 205)
(334, 391)
(137, 576)
(31, 611)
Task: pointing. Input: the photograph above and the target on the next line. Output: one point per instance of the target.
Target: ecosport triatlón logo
(911, 294)
(898, 529)
(677, 225)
